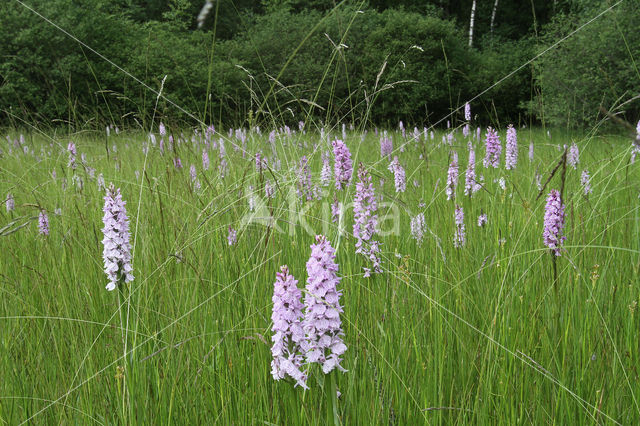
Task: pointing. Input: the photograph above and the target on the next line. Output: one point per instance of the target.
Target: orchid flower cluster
(117, 248)
(452, 177)
(315, 335)
(573, 156)
(399, 177)
(43, 223)
(9, 203)
(205, 160)
(386, 145)
(343, 167)
(459, 236)
(470, 184)
(325, 174)
(366, 220)
(511, 156)
(418, 226)
(493, 149)
(482, 220)
(305, 187)
(585, 181)
(71, 149)
(466, 130)
(288, 334)
(554, 222)
(635, 148)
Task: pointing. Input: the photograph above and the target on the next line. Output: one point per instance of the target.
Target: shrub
(597, 66)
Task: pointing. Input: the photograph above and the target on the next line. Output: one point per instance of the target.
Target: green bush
(427, 53)
(506, 102)
(287, 60)
(417, 83)
(596, 67)
(44, 75)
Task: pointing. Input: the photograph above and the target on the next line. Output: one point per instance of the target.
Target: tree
(595, 67)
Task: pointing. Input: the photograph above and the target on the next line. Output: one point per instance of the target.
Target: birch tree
(473, 16)
(493, 15)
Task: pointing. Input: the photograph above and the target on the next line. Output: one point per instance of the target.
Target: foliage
(44, 75)
(599, 66)
(288, 60)
(500, 58)
(476, 335)
(393, 60)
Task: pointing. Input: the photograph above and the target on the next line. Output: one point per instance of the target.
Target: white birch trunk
(493, 15)
(473, 16)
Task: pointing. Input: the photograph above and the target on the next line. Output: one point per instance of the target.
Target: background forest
(284, 61)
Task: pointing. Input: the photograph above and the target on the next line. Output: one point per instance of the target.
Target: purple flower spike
(635, 148)
(470, 184)
(43, 223)
(261, 163)
(386, 145)
(9, 203)
(399, 176)
(325, 174)
(269, 189)
(418, 227)
(585, 181)
(343, 167)
(211, 130)
(205, 160)
(71, 148)
(322, 324)
(305, 189)
(288, 333)
(459, 237)
(554, 222)
(493, 149)
(452, 177)
(511, 156)
(117, 249)
(573, 156)
(482, 220)
(366, 219)
(336, 210)
(195, 182)
(467, 112)
(232, 237)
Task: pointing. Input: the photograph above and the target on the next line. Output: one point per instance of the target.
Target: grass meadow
(472, 335)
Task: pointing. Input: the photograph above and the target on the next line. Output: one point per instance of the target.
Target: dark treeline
(273, 61)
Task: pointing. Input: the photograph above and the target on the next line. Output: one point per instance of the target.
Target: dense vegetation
(291, 60)
(479, 334)
(180, 159)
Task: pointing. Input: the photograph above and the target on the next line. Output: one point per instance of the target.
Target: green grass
(481, 337)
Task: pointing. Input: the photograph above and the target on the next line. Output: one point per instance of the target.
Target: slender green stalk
(332, 399)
